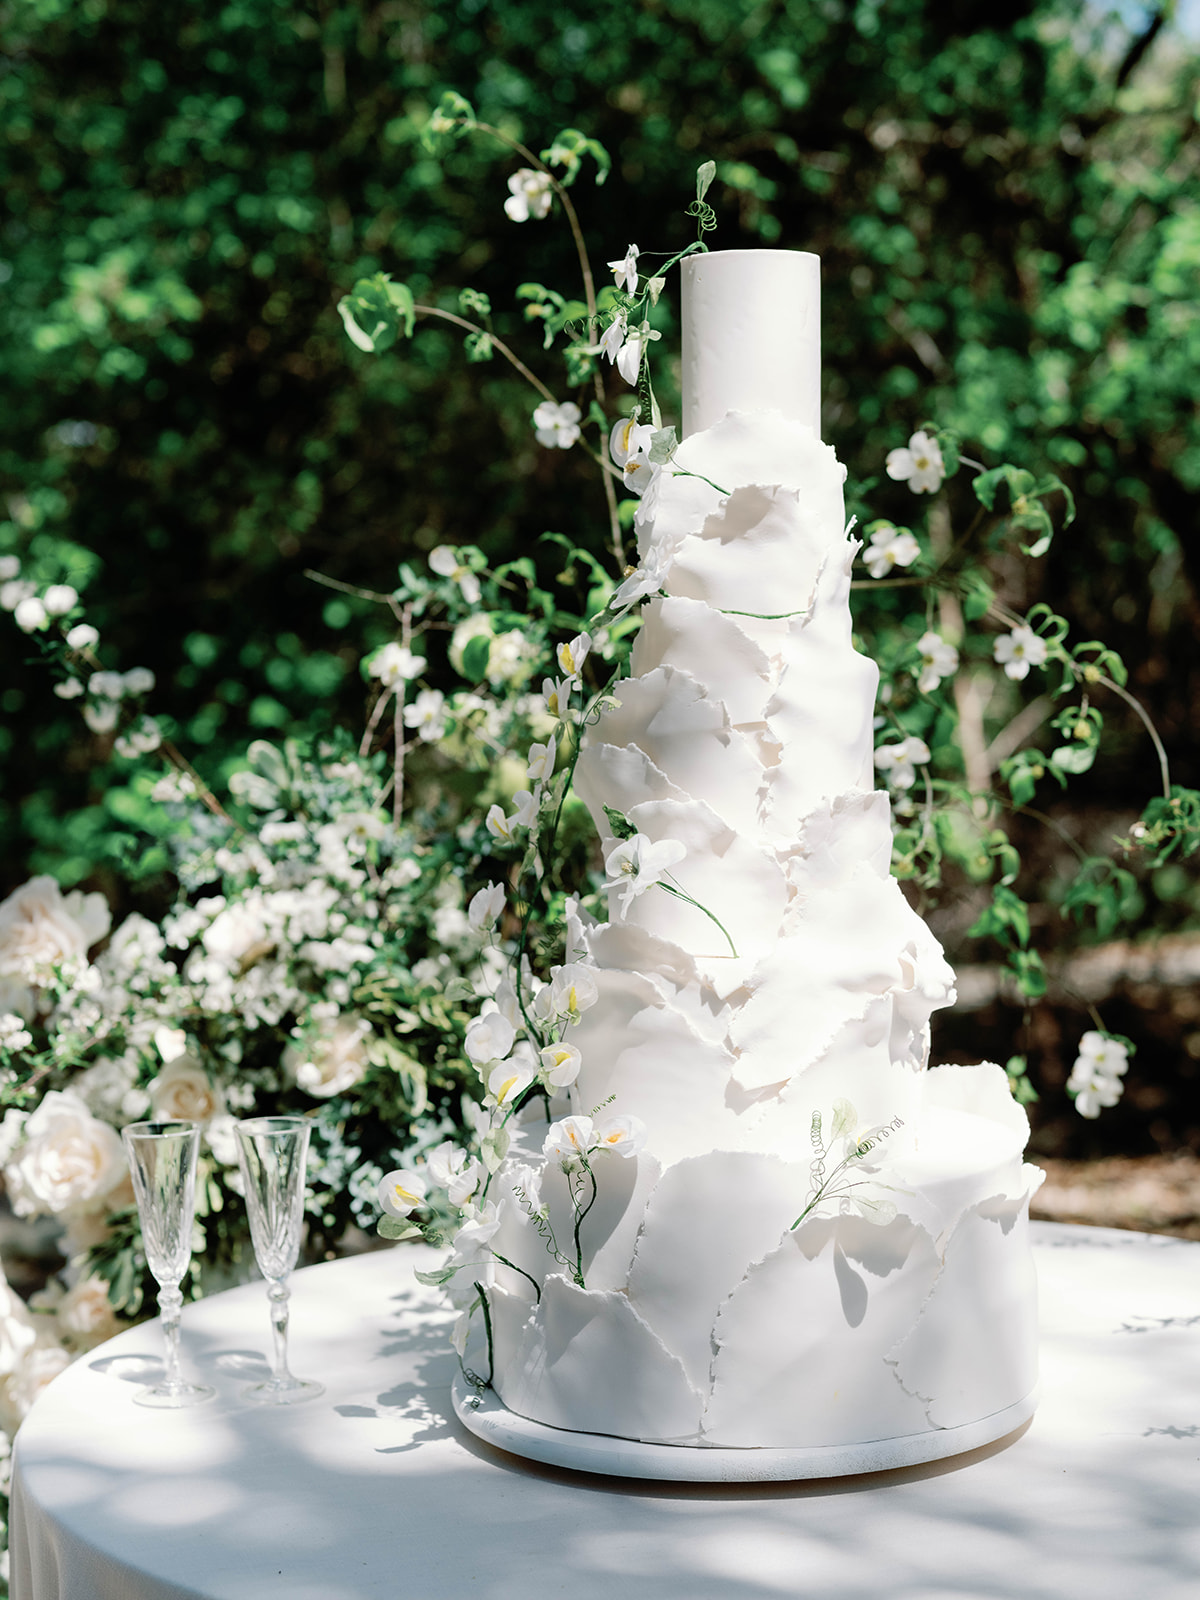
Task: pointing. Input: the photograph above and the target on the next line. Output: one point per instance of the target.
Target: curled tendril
(706, 217)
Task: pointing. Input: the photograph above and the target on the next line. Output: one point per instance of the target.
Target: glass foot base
(174, 1396)
(281, 1392)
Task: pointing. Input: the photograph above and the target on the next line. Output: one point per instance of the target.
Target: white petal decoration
(713, 649)
(974, 1349)
(740, 1205)
(620, 778)
(761, 554)
(852, 828)
(588, 1361)
(781, 452)
(610, 1229)
(802, 1341)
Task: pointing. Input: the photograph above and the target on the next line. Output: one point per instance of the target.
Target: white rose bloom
(70, 1162)
(40, 926)
(235, 932)
(86, 1316)
(334, 1058)
(36, 1369)
(60, 598)
(17, 1331)
(183, 1092)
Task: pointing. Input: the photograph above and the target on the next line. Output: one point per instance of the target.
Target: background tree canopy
(1004, 197)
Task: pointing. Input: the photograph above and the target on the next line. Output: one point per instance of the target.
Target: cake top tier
(751, 336)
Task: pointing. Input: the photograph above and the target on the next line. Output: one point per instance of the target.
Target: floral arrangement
(382, 930)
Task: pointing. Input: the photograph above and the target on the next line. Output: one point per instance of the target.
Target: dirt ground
(1150, 1194)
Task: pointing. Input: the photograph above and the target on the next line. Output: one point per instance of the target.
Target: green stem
(487, 1323)
(579, 1216)
(474, 327)
(513, 1267)
(680, 894)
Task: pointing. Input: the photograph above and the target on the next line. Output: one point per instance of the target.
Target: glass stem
(170, 1304)
(278, 1294)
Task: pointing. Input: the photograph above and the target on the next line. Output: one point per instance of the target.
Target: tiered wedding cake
(710, 1313)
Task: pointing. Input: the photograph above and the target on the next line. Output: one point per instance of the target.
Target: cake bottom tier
(708, 1319)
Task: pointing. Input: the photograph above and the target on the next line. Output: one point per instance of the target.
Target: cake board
(484, 1414)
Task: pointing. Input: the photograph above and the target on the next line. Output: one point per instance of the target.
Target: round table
(374, 1491)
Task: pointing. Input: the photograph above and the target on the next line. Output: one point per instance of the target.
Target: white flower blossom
(508, 1081)
(1019, 650)
(557, 426)
(626, 270)
(530, 194)
(69, 689)
(10, 568)
(499, 825)
(444, 561)
(14, 591)
(82, 637)
(572, 990)
(613, 337)
(649, 578)
(30, 614)
(629, 361)
(635, 865)
(333, 1058)
(527, 803)
(184, 1092)
(102, 716)
(69, 1162)
(558, 696)
(898, 762)
(890, 547)
(144, 737)
(624, 1134)
(40, 927)
(60, 598)
(541, 761)
(568, 1141)
(938, 660)
(401, 1192)
(629, 444)
(138, 680)
(489, 1038)
(920, 464)
(486, 905)
(1096, 1076)
(425, 714)
(561, 1064)
(395, 664)
(14, 1035)
(572, 655)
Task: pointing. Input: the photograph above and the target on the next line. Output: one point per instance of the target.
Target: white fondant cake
(718, 1306)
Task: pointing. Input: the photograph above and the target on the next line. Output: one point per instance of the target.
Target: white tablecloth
(375, 1493)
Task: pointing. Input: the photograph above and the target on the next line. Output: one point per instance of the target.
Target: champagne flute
(162, 1159)
(271, 1154)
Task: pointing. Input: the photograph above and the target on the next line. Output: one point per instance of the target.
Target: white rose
(36, 1369)
(39, 926)
(234, 933)
(70, 1162)
(183, 1092)
(334, 1059)
(17, 1332)
(86, 1316)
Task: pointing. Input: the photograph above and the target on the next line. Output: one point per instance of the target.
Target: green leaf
(568, 149)
(475, 657)
(474, 303)
(705, 174)
(375, 310)
(436, 1278)
(393, 1228)
(663, 446)
(1074, 758)
(978, 594)
(621, 826)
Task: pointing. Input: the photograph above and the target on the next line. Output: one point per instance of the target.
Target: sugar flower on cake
(629, 359)
(629, 444)
(899, 762)
(402, 1191)
(1019, 650)
(560, 1064)
(625, 1135)
(444, 561)
(1095, 1079)
(508, 1081)
(613, 337)
(395, 664)
(890, 547)
(557, 426)
(938, 660)
(572, 990)
(453, 1169)
(637, 864)
(530, 194)
(626, 270)
(489, 1038)
(569, 1141)
(920, 464)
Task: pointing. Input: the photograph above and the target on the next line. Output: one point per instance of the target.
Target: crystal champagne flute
(162, 1159)
(271, 1153)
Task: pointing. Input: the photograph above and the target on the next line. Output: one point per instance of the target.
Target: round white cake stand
(489, 1419)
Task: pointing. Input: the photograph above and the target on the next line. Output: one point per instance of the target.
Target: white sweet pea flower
(30, 614)
(509, 1081)
(425, 715)
(613, 337)
(557, 426)
(541, 761)
(624, 1134)
(499, 825)
(452, 1169)
(530, 194)
(558, 696)
(82, 637)
(636, 864)
(444, 561)
(626, 270)
(629, 444)
(485, 907)
(571, 656)
(394, 664)
(629, 361)
(889, 547)
(527, 803)
(401, 1192)
(489, 1038)
(60, 598)
(898, 762)
(561, 1064)
(938, 660)
(568, 1141)
(572, 990)
(921, 464)
(649, 578)
(1019, 650)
